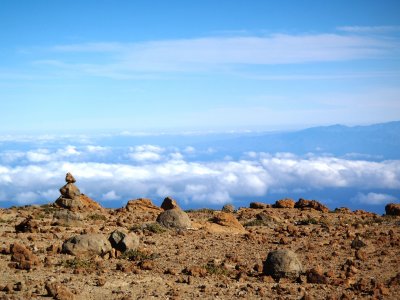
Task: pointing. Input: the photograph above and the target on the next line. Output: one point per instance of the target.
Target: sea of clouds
(114, 175)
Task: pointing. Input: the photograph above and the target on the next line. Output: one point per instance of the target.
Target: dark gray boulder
(174, 218)
(123, 241)
(282, 263)
(87, 245)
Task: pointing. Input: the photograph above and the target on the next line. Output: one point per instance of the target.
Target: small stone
(361, 255)
(69, 178)
(358, 243)
(316, 275)
(100, 281)
(169, 203)
(195, 271)
(58, 291)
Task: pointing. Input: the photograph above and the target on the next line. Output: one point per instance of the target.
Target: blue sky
(197, 65)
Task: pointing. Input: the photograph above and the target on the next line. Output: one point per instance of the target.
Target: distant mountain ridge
(378, 140)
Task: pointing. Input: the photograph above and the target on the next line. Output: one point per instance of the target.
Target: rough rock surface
(67, 218)
(282, 263)
(174, 218)
(27, 225)
(169, 203)
(228, 222)
(284, 203)
(228, 208)
(87, 245)
(259, 205)
(302, 203)
(23, 257)
(123, 241)
(142, 204)
(199, 264)
(69, 178)
(393, 209)
(58, 291)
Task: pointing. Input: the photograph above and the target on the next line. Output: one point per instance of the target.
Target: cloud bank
(153, 171)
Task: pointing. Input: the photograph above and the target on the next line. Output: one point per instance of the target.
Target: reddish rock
(393, 209)
(227, 220)
(24, 258)
(142, 204)
(195, 271)
(284, 203)
(303, 203)
(58, 291)
(316, 275)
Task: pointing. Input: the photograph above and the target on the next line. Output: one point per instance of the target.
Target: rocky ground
(210, 255)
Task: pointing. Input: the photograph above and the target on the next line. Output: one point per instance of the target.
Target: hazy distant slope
(381, 140)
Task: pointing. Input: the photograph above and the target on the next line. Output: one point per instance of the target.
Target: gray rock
(67, 218)
(69, 203)
(87, 245)
(174, 218)
(282, 263)
(70, 191)
(228, 208)
(123, 241)
(358, 243)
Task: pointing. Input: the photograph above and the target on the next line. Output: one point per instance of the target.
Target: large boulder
(228, 220)
(284, 203)
(282, 263)
(303, 203)
(393, 209)
(123, 241)
(87, 245)
(174, 218)
(142, 205)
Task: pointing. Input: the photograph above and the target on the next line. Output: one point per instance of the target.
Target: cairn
(71, 197)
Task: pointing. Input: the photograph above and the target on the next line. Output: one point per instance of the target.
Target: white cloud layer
(169, 172)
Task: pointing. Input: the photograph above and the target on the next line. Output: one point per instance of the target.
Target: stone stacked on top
(71, 197)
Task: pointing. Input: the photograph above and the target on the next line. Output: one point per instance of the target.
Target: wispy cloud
(127, 60)
(369, 29)
(374, 198)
